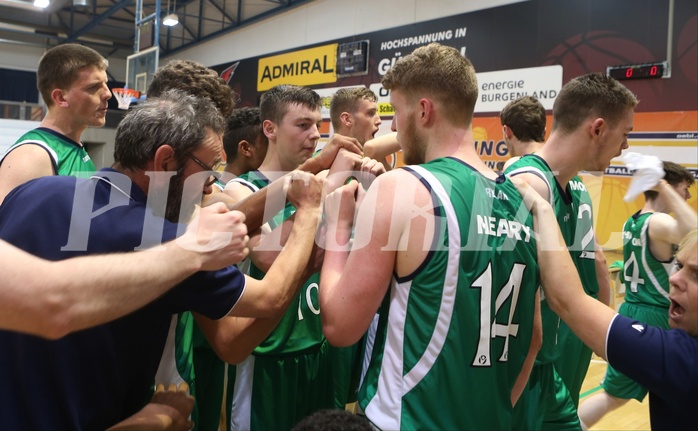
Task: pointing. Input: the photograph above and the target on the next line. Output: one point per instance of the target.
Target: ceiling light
(41, 3)
(169, 20)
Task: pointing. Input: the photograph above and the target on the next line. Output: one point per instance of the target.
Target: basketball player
(286, 377)
(354, 113)
(441, 248)
(523, 127)
(662, 360)
(72, 80)
(244, 142)
(592, 117)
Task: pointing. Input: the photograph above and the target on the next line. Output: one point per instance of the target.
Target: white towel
(648, 171)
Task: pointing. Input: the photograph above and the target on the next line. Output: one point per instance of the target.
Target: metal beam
(100, 19)
(222, 11)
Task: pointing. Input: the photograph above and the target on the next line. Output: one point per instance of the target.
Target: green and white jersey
(300, 328)
(67, 156)
(646, 278)
(582, 249)
(177, 361)
(290, 374)
(460, 326)
(562, 203)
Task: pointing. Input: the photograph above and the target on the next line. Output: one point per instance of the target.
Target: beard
(173, 208)
(413, 146)
(169, 205)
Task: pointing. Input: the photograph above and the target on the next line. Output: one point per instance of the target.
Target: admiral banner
(306, 67)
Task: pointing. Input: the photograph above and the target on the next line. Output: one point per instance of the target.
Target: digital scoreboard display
(637, 71)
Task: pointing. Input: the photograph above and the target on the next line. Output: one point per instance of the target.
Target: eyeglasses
(215, 175)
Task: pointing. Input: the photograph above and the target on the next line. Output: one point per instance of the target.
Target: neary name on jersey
(488, 225)
(496, 194)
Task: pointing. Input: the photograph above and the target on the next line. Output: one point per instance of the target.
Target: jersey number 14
(489, 328)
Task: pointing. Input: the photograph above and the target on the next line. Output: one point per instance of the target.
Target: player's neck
(529, 147)
(273, 167)
(563, 162)
(63, 126)
(458, 143)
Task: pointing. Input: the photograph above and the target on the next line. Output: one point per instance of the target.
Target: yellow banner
(306, 67)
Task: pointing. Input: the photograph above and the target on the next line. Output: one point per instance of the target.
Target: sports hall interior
(517, 47)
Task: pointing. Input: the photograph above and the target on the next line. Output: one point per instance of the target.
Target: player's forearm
(288, 268)
(558, 274)
(332, 304)
(114, 285)
(382, 146)
(313, 165)
(602, 277)
(586, 317)
(78, 293)
(529, 361)
(234, 338)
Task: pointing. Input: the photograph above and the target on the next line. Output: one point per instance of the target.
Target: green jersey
(646, 278)
(290, 374)
(562, 203)
(583, 248)
(67, 156)
(573, 361)
(301, 327)
(462, 323)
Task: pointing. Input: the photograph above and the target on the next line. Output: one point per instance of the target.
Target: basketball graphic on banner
(687, 50)
(596, 50)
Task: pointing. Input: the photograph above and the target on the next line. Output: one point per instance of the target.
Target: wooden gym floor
(633, 415)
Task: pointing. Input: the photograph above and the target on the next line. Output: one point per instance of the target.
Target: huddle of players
(455, 296)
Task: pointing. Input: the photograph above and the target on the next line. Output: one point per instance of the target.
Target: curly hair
(244, 124)
(197, 80)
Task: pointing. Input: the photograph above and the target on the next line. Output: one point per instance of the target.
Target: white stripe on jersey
(384, 409)
(645, 243)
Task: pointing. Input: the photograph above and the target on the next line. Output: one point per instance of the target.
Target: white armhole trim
(537, 172)
(245, 183)
(51, 151)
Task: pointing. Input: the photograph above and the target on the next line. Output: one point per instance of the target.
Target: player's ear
(506, 131)
(597, 126)
(245, 148)
(346, 119)
(58, 97)
(164, 159)
(269, 129)
(426, 107)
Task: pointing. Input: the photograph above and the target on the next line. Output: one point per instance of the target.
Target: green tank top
(67, 156)
(582, 249)
(461, 324)
(300, 329)
(646, 278)
(562, 203)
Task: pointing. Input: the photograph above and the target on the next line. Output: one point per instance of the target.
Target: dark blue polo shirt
(93, 378)
(666, 362)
